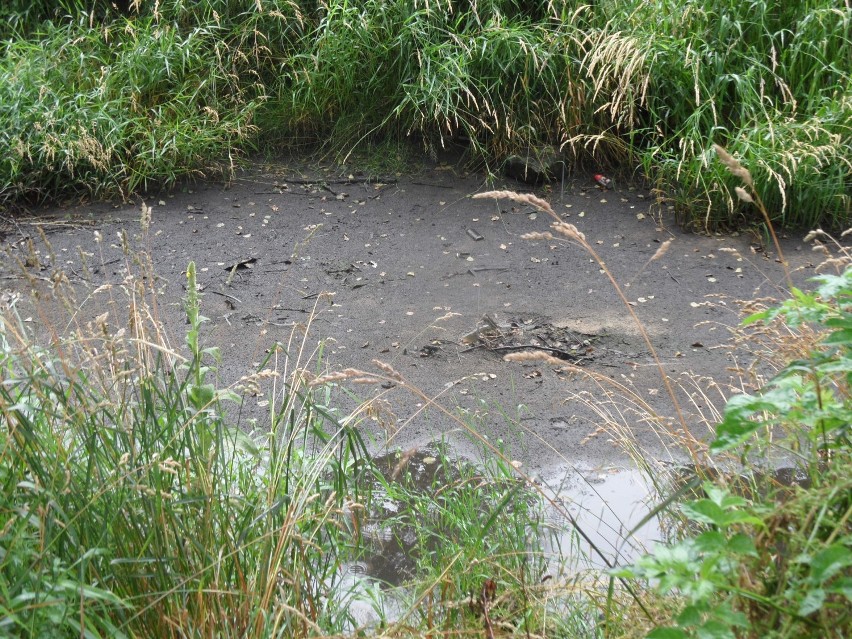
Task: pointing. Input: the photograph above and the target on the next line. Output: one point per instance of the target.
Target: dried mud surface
(439, 286)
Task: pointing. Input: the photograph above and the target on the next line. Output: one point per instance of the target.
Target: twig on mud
(353, 180)
(434, 186)
(282, 192)
(230, 297)
(474, 271)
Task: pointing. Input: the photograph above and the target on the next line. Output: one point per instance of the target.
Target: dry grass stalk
(664, 247)
(733, 165)
(521, 198)
(338, 376)
(743, 195)
(569, 231)
(741, 172)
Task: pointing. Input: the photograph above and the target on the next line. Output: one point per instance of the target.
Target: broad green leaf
(812, 602)
(756, 317)
(841, 336)
(832, 285)
(691, 615)
(843, 587)
(828, 562)
(737, 425)
(201, 395)
(711, 541)
(844, 321)
(667, 633)
(715, 630)
(742, 544)
(704, 511)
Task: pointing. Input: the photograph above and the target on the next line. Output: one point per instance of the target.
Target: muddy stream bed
(442, 287)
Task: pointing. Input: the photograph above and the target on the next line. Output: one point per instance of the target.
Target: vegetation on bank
(104, 101)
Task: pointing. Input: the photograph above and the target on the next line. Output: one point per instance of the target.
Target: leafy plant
(777, 560)
(812, 393)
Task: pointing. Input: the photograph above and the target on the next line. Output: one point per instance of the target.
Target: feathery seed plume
(733, 165)
(662, 250)
(743, 194)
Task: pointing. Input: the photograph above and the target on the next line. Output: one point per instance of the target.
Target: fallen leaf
(242, 264)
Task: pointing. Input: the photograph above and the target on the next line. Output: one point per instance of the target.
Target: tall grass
(98, 102)
(133, 504)
(117, 108)
(768, 81)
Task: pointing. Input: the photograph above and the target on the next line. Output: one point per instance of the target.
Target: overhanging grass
(113, 109)
(99, 103)
(133, 506)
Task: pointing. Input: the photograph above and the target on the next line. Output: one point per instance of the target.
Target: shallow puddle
(600, 514)
(607, 504)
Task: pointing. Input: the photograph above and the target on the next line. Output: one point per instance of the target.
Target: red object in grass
(603, 180)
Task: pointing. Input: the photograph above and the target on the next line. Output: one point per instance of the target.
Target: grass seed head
(733, 165)
(538, 236)
(522, 198)
(569, 231)
(743, 195)
(388, 370)
(664, 247)
(536, 356)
